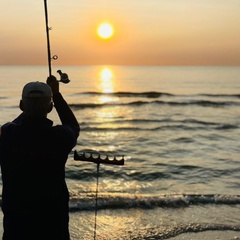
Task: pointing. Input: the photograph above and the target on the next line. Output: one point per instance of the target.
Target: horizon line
(130, 65)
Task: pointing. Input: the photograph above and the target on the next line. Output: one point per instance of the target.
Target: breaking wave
(78, 203)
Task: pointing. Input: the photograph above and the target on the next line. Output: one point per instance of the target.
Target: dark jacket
(33, 154)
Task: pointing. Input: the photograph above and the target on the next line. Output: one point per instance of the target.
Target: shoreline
(79, 230)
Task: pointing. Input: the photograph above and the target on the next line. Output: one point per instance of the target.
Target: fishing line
(96, 202)
(98, 159)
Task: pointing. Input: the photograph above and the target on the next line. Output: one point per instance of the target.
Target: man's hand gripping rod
(63, 76)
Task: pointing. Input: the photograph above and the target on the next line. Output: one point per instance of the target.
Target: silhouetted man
(33, 154)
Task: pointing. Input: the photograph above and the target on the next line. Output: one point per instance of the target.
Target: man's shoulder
(6, 126)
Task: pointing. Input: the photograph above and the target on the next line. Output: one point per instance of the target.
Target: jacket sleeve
(65, 114)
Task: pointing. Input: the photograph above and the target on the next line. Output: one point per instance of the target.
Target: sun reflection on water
(106, 76)
(106, 115)
(106, 84)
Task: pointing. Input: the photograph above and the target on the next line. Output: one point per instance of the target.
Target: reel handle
(63, 77)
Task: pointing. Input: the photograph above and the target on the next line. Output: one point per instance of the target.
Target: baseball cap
(36, 89)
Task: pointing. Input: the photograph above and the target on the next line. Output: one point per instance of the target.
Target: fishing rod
(63, 76)
(89, 157)
(98, 159)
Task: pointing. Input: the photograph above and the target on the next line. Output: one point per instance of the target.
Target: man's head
(36, 99)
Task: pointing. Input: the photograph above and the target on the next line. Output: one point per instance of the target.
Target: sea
(177, 130)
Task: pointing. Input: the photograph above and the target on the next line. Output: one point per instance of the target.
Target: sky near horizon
(146, 32)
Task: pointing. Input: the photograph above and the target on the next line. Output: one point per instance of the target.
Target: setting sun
(105, 30)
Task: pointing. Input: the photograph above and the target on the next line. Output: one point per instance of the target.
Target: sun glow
(105, 30)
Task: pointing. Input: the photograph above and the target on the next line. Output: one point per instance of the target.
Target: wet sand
(81, 228)
(209, 235)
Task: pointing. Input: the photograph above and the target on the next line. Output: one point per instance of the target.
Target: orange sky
(147, 32)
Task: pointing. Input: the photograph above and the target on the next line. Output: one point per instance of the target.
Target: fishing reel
(63, 77)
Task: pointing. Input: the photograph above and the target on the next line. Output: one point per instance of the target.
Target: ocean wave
(220, 95)
(158, 128)
(83, 203)
(202, 103)
(154, 94)
(190, 121)
(151, 94)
